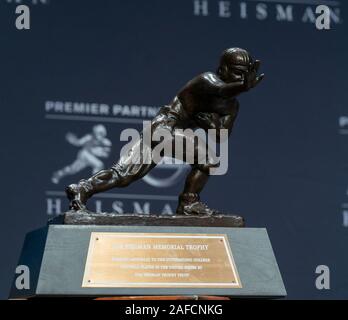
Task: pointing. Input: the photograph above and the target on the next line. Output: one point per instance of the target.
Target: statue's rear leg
(120, 175)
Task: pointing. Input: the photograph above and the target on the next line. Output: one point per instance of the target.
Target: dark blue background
(287, 169)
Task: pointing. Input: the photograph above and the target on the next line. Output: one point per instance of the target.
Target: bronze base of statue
(84, 217)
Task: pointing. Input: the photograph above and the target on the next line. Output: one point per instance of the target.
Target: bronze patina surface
(208, 101)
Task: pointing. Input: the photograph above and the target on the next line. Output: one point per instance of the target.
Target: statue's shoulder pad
(208, 77)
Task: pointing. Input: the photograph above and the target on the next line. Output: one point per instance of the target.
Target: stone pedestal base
(56, 257)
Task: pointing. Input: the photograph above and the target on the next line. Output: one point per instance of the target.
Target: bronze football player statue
(208, 101)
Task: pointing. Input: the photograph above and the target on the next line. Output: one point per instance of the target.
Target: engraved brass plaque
(160, 260)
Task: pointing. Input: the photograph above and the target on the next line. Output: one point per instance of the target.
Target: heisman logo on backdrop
(290, 11)
(94, 147)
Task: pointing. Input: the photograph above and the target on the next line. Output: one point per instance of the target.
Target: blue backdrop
(84, 63)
